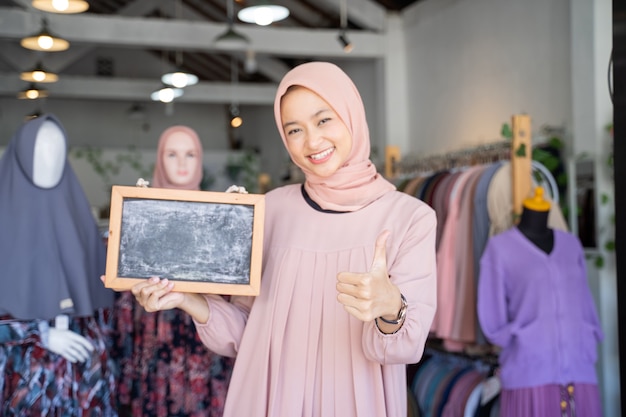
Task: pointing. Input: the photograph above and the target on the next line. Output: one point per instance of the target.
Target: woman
(166, 370)
(348, 283)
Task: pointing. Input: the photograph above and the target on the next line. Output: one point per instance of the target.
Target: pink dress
(299, 353)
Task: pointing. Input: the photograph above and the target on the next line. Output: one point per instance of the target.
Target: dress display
(52, 257)
(166, 370)
(536, 306)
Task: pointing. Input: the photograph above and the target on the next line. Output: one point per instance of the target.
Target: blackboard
(205, 242)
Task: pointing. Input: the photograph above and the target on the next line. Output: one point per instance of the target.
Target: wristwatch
(401, 313)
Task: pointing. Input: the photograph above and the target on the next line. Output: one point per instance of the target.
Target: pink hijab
(357, 183)
(159, 178)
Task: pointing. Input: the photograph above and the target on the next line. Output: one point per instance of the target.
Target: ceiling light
(39, 75)
(166, 94)
(263, 13)
(44, 41)
(61, 6)
(179, 79)
(35, 114)
(32, 93)
(345, 42)
(343, 24)
(236, 120)
(231, 39)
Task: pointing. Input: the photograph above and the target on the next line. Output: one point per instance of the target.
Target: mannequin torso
(534, 225)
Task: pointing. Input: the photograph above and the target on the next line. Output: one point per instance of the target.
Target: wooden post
(392, 157)
(521, 157)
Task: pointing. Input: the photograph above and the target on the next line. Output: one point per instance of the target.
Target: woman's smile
(323, 156)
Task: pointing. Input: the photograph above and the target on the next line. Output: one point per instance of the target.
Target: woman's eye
(324, 120)
(292, 131)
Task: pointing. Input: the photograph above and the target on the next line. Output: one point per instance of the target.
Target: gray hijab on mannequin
(51, 252)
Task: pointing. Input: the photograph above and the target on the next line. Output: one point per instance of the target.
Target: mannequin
(54, 330)
(166, 370)
(534, 221)
(534, 303)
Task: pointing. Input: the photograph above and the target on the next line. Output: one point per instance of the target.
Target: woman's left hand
(372, 294)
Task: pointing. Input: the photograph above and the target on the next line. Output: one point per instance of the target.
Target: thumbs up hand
(371, 294)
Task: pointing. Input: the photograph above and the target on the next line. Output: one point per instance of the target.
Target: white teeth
(322, 155)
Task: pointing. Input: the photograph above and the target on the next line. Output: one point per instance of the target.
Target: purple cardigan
(539, 309)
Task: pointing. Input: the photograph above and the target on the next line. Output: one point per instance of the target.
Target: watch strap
(401, 313)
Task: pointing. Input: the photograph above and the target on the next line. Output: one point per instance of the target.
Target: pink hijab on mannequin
(159, 178)
(357, 183)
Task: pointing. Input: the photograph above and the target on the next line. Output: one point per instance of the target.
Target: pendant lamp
(45, 41)
(263, 13)
(39, 75)
(61, 6)
(179, 78)
(166, 94)
(345, 43)
(32, 93)
(230, 38)
(235, 118)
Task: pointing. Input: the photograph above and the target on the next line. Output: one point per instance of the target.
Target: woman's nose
(314, 137)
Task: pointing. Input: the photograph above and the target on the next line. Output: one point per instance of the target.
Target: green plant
(548, 153)
(107, 168)
(243, 168)
(605, 200)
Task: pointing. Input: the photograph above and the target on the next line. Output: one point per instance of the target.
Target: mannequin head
(49, 155)
(179, 159)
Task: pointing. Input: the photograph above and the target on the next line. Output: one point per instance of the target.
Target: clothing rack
(518, 150)
(483, 154)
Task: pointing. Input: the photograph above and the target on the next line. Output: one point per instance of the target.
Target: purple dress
(539, 309)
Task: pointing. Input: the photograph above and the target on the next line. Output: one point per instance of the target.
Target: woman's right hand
(155, 294)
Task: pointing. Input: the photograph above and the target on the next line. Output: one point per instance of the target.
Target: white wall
(473, 64)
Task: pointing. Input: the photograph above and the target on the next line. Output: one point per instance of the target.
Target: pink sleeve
(414, 270)
(223, 331)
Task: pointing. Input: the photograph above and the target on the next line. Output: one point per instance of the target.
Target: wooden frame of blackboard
(154, 226)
